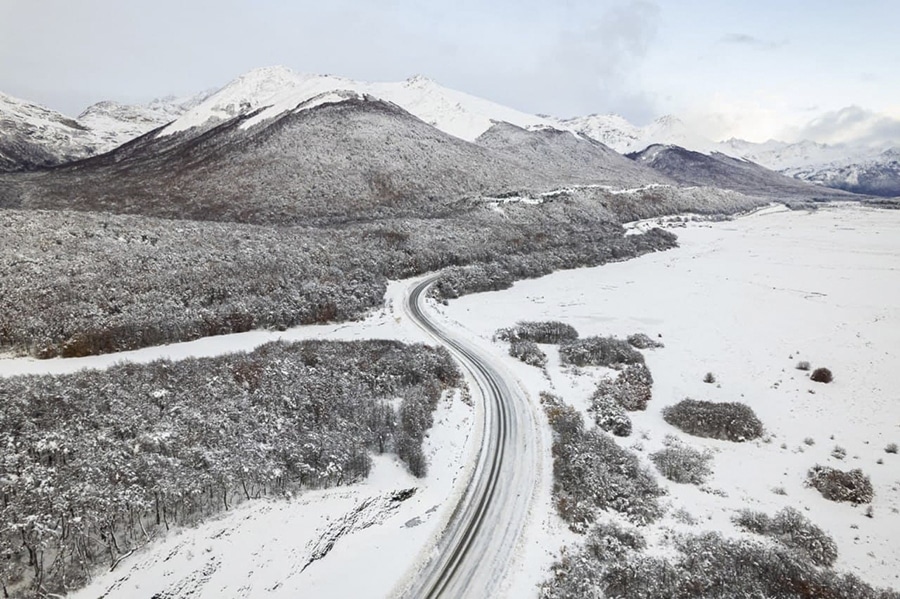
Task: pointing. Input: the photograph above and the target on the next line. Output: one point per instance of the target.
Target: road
(478, 545)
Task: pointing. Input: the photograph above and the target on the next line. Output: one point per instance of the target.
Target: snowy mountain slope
(278, 90)
(878, 175)
(571, 157)
(31, 135)
(35, 136)
(341, 156)
(726, 172)
(624, 137)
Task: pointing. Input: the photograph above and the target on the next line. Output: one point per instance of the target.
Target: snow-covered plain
(746, 300)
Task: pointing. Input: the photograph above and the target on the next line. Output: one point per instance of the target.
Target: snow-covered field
(747, 300)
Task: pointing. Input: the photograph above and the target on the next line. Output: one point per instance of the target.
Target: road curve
(478, 544)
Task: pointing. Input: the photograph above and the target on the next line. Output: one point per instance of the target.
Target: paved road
(478, 545)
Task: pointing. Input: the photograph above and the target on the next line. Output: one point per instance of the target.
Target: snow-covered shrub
(643, 341)
(838, 453)
(549, 331)
(837, 485)
(821, 375)
(592, 472)
(611, 540)
(803, 365)
(731, 421)
(794, 531)
(609, 415)
(709, 378)
(682, 463)
(599, 351)
(528, 352)
(891, 448)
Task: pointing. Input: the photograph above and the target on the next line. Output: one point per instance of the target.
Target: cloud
(750, 41)
(853, 125)
(597, 64)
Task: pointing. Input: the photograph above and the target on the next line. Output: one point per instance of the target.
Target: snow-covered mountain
(32, 135)
(624, 137)
(277, 90)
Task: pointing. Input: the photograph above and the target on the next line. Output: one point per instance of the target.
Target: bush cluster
(528, 352)
(794, 531)
(706, 565)
(682, 463)
(610, 416)
(550, 331)
(599, 351)
(837, 485)
(631, 389)
(730, 421)
(591, 472)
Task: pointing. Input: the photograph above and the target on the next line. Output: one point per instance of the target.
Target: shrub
(837, 485)
(839, 453)
(610, 540)
(793, 530)
(549, 331)
(809, 441)
(599, 351)
(643, 341)
(681, 463)
(726, 421)
(610, 415)
(709, 378)
(528, 352)
(821, 375)
(630, 389)
(891, 448)
(803, 365)
(591, 471)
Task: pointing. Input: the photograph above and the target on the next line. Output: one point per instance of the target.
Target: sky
(787, 69)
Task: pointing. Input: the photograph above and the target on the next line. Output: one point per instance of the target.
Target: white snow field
(746, 300)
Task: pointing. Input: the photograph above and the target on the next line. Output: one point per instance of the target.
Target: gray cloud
(743, 39)
(598, 64)
(853, 125)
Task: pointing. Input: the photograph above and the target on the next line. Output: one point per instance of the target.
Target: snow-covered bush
(891, 448)
(794, 531)
(803, 365)
(609, 415)
(709, 378)
(682, 463)
(821, 375)
(528, 352)
(592, 472)
(549, 331)
(731, 421)
(643, 341)
(599, 351)
(837, 485)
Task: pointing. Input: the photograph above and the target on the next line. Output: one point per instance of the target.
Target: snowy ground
(746, 300)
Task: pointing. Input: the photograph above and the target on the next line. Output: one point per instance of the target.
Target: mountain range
(523, 150)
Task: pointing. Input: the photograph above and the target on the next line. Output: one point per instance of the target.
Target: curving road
(479, 542)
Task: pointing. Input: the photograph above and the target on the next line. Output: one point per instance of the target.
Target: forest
(97, 463)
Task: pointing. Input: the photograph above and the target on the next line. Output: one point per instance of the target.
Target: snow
(277, 90)
(746, 300)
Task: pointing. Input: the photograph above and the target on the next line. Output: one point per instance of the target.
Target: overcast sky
(788, 69)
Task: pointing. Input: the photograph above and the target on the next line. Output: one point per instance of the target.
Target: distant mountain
(33, 136)
(620, 135)
(726, 172)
